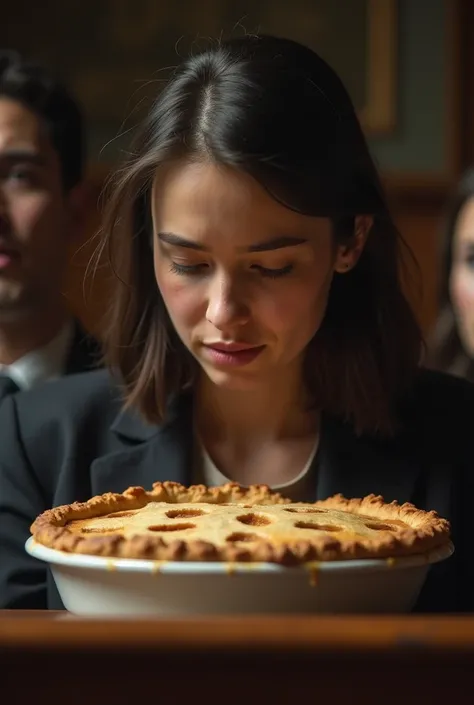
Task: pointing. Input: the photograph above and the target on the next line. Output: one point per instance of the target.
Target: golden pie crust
(232, 523)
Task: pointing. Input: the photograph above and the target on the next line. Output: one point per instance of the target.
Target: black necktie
(7, 386)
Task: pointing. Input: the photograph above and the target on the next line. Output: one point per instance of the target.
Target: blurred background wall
(408, 64)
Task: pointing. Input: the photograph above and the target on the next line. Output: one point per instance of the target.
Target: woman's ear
(348, 253)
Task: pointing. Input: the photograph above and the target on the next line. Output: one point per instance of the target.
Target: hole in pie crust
(184, 513)
(171, 527)
(241, 536)
(120, 514)
(378, 526)
(319, 527)
(254, 519)
(304, 510)
(100, 530)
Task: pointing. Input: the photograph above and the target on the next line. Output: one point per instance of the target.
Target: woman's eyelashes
(187, 269)
(273, 273)
(203, 268)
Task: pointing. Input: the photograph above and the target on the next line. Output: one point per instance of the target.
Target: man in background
(42, 207)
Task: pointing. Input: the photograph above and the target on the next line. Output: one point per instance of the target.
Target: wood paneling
(419, 226)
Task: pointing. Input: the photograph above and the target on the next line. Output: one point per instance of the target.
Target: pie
(232, 523)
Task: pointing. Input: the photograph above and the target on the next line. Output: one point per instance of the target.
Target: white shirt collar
(43, 363)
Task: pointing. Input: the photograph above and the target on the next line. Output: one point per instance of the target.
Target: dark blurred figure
(42, 205)
(452, 344)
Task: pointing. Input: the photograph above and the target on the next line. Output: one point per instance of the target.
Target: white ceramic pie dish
(96, 586)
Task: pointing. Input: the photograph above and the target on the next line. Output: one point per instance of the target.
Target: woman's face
(245, 280)
(462, 276)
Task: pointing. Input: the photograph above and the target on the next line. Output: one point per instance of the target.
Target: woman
(258, 331)
(452, 348)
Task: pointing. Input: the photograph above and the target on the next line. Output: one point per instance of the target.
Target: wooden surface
(56, 657)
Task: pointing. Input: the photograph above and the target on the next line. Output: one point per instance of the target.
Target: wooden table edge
(277, 633)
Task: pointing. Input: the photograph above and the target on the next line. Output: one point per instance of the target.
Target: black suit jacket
(75, 442)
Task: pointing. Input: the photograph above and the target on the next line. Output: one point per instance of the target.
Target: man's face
(35, 214)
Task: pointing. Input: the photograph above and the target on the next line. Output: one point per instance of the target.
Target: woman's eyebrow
(276, 243)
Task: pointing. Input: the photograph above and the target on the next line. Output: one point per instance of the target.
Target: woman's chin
(233, 380)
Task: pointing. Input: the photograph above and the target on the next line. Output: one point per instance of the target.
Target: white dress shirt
(43, 363)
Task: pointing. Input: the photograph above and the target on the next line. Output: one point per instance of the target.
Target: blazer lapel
(151, 454)
(358, 466)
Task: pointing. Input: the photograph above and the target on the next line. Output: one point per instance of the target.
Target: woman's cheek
(285, 311)
(182, 300)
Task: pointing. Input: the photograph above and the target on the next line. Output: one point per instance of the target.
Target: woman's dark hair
(35, 87)
(275, 110)
(446, 351)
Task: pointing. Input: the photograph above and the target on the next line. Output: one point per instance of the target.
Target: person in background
(259, 331)
(42, 202)
(451, 347)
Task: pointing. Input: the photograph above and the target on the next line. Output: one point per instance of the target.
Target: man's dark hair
(37, 89)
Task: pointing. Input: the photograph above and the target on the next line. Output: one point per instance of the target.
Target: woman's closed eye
(188, 269)
(273, 273)
(201, 269)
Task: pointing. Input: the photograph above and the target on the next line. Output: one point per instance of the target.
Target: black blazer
(75, 442)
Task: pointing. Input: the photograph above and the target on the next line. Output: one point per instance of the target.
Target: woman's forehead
(207, 194)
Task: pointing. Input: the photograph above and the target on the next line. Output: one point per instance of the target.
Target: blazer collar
(130, 425)
(148, 453)
(347, 464)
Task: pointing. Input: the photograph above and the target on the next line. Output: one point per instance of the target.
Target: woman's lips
(232, 354)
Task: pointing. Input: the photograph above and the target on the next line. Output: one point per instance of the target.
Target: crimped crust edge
(425, 530)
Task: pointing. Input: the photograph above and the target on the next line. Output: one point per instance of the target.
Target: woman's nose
(227, 306)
